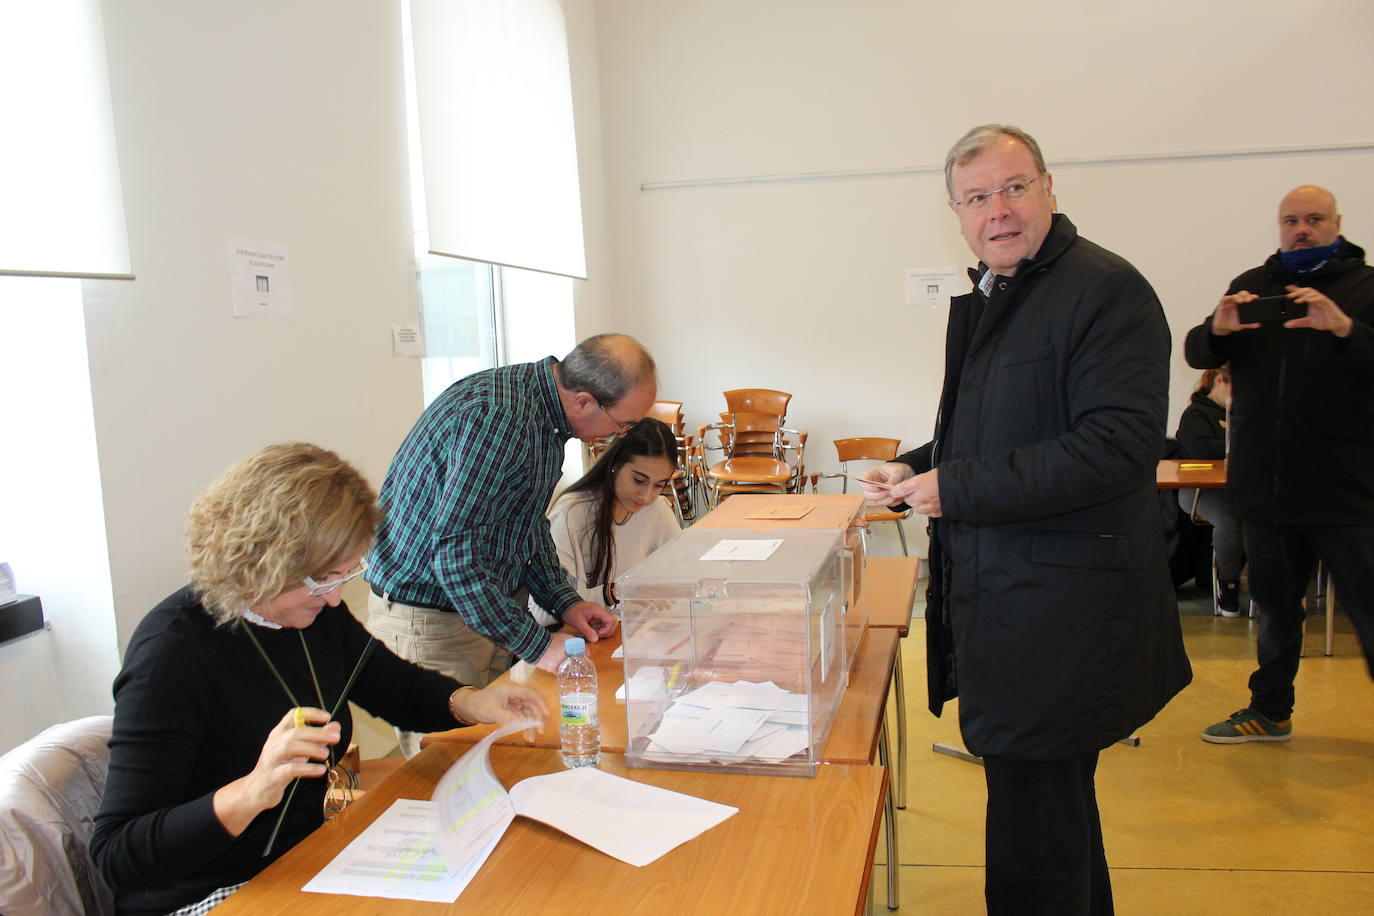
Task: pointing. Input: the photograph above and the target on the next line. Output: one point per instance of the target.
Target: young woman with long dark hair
(615, 515)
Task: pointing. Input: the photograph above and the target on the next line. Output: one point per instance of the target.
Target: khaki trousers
(438, 640)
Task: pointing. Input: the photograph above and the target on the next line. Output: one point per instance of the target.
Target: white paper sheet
(631, 821)
(395, 857)
(732, 549)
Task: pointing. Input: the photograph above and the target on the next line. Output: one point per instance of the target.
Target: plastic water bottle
(579, 729)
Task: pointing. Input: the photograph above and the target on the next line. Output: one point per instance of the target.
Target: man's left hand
(591, 620)
(1322, 313)
(921, 493)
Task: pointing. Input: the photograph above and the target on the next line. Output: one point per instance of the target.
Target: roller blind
(61, 208)
(497, 143)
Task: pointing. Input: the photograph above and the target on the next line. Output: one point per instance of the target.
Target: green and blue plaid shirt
(465, 499)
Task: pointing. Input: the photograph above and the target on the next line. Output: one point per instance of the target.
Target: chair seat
(751, 470)
(886, 515)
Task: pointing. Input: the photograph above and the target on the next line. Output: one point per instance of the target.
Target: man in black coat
(1050, 614)
(1301, 470)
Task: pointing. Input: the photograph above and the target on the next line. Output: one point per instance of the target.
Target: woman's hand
(287, 754)
(498, 702)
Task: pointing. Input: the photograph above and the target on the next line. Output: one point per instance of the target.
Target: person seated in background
(616, 515)
(1202, 434)
(234, 687)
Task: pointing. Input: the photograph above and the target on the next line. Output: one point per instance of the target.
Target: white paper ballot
(629, 820)
(395, 858)
(729, 549)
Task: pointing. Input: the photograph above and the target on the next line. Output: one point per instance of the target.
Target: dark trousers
(1281, 560)
(1044, 839)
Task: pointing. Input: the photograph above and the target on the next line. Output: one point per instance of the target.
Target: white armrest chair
(50, 788)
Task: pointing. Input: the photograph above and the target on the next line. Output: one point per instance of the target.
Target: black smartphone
(1270, 309)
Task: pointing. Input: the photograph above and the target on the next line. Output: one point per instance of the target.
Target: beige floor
(1190, 827)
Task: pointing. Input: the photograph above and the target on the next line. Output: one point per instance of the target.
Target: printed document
(431, 850)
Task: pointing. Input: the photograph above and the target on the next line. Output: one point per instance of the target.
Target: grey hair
(607, 366)
(978, 139)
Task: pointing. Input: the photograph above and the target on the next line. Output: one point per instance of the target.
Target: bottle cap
(575, 645)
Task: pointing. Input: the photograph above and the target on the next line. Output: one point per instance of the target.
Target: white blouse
(570, 522)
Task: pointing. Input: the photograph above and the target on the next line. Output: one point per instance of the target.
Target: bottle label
(578, 709)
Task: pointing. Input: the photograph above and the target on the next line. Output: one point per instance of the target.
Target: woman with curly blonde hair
(230, 708)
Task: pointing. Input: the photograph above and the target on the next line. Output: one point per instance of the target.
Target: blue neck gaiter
(1306, 260)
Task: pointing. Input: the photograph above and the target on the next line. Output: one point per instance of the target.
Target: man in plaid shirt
(465, 537)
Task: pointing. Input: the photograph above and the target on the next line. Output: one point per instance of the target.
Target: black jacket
(1302, 407)
(1202, 429)
(1054, 619)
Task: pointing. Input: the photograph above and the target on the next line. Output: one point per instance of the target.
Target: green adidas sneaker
(1248, 725)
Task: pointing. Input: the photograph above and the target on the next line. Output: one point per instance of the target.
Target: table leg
(1330, 604)
(899, 685)
(890, 814)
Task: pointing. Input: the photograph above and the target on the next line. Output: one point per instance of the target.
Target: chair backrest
(50, 788)
(863, 448)
(669, 412)
(763, 400)
(755, 433)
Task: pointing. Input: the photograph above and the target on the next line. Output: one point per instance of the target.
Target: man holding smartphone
(1300, 474)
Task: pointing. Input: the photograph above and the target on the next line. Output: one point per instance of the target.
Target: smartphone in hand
(1270, 310)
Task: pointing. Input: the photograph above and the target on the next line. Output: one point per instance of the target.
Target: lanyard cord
(309, 662)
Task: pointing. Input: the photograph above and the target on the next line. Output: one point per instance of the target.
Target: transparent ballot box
(731, 661)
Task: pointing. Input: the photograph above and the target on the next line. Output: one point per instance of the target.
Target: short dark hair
(606, 366)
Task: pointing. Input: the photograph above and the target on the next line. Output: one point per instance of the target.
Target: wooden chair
(870, 449)
(756, 460)
(762, 400)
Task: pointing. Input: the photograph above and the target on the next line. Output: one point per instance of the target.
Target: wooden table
(827, 510)
(796, 846)
(1191, 473)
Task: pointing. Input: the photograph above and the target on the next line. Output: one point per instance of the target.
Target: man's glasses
(620, 428)
(1012, 190)
(323, 588)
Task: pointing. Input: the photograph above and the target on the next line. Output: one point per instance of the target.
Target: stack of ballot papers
(431, 850)
(732, 723)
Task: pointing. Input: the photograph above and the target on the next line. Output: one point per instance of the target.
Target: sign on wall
(260, 279)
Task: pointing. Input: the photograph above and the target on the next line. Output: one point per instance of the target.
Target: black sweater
(1202, 429)
(193, 706)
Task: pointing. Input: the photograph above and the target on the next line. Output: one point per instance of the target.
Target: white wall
(798, 285)
(272, 119)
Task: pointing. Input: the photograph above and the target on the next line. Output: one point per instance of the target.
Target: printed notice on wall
(932, 286)
(260, 279)
(407, 340)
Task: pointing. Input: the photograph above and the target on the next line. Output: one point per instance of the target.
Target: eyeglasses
(323, 588)
(1012, 190)
(620, 428)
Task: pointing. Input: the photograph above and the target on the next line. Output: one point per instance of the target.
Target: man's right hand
(1226, 317)
(553, 656)
(890, 473)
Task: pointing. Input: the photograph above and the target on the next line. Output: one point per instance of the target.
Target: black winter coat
(1302, 412)
(1054, 619)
